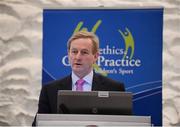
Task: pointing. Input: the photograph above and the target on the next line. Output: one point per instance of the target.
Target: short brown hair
(85, 34)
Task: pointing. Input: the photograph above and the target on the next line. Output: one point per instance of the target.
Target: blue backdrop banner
(130, 50)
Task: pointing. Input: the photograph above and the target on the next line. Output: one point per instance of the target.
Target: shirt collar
(88, 78)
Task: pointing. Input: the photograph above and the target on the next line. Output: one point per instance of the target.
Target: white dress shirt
(88, 81)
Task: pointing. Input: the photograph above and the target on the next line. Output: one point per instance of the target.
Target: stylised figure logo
(94, 29)
(78, 27)
(129, 42)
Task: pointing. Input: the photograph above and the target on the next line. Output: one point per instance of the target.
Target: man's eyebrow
(85, 49)
(73, 49)
(81, 49)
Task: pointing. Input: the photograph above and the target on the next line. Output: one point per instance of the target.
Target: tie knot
(79, 84)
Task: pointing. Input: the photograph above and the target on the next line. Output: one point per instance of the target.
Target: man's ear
(68, 56)
(96, 55)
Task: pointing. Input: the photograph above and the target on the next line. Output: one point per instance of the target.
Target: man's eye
(84, 52)
(73, 51)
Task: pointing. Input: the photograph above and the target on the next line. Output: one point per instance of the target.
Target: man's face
(81, 57)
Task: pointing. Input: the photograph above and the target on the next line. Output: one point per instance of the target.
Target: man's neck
(82, 75)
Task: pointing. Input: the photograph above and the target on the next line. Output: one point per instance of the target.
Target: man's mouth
(78, 64)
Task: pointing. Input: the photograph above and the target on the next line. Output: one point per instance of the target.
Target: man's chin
(80, 74)
(78, 71)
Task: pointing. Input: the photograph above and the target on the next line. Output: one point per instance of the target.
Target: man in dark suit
(83, 52)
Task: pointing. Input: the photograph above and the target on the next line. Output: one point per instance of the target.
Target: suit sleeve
(122, 88)
(43, 106)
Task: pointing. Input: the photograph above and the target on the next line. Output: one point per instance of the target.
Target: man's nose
(78, 55)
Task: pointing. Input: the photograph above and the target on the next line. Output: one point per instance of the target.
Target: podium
(91, 120)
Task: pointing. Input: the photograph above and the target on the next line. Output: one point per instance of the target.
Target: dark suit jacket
(48, 95)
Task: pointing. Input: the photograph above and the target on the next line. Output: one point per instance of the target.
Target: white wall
(21, 55)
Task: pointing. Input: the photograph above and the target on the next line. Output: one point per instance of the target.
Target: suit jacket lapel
(96, 84)
(66, 83)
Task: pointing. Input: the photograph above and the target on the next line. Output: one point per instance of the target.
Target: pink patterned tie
(79, 85)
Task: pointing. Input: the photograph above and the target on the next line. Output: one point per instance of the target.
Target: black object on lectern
(94, 102)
